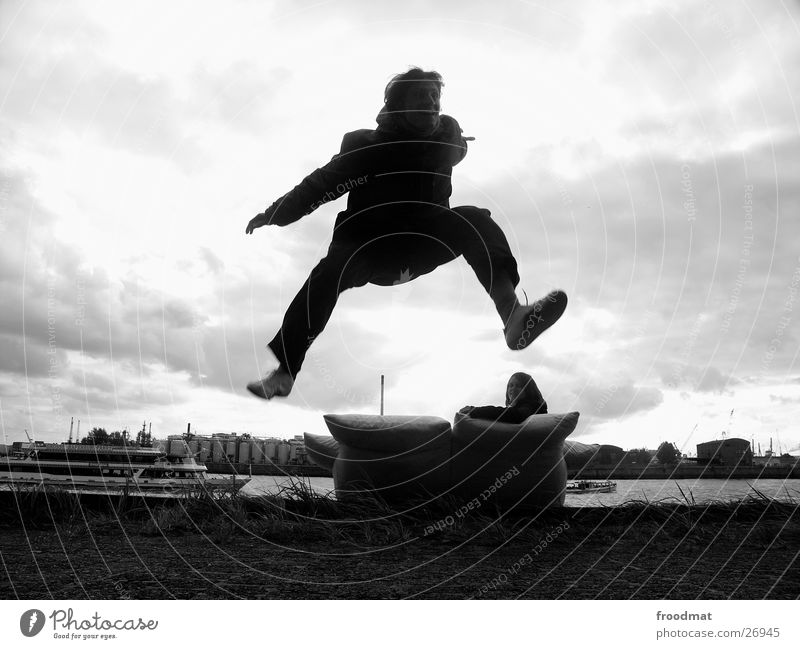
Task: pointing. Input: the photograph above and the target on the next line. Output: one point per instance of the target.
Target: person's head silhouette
(412, 102)
(522, 392)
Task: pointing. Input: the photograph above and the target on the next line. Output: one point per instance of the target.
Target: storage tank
(283, 453)
(230, 451)
(178, 447)
(194, 447)
(257, 451)
(293, 451)
(244, 451)
(218, 450)
(205, 449)
(271, 450)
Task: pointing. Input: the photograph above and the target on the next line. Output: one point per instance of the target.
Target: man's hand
(256, 222)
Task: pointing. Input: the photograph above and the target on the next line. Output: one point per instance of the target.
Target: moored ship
(591, 487)
(112, 470)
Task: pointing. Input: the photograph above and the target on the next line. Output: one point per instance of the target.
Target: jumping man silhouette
(398, 222)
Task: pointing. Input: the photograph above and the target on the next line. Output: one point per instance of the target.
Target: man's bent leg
(342, 268)
(473, 232)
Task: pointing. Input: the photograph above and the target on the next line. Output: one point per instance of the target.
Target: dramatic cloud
(642, 156)
(614, 400)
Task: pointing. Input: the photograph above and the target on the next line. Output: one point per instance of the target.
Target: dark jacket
(508, 415)
(529, 402)
(387, 172)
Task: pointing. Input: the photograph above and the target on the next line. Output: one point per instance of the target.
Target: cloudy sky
(643, 156)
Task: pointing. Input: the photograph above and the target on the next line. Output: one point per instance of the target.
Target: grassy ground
(302, 545)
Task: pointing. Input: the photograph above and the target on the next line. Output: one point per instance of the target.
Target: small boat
(109, 470)
(591, 487)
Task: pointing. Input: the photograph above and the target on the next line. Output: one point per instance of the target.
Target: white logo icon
(31, 622)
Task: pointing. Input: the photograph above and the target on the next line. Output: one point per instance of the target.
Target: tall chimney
(71, 421)
(381, 394)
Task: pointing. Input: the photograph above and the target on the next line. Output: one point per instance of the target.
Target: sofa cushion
(389, 433)
(397, 457)
(510, 463)
(322, 450)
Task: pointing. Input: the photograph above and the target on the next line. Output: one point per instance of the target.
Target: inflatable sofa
(413, 458)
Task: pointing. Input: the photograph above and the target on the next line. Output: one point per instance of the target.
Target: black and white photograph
(352, 300)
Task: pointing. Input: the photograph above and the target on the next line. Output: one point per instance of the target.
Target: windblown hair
(396, 90)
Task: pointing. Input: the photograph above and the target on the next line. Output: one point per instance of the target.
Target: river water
(695, 490)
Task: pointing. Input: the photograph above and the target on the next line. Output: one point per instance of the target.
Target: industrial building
(732, 451)
(582, 456)
(609, 455)
(233, 448)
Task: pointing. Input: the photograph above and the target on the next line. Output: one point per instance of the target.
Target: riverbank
(684, 472)
(313, 547)
(594, 472)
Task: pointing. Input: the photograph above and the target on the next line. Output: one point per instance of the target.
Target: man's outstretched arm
(342, 173)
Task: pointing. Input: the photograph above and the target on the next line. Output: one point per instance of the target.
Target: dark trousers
(396, 251)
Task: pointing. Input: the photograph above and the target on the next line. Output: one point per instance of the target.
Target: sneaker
(278, 383)
(527, 323)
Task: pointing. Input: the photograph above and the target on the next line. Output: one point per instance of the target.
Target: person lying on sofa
(523, 399)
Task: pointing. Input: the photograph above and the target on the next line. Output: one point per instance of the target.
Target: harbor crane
(730, 422)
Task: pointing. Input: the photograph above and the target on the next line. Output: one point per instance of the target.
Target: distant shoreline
(238, 468)
(684, 472)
